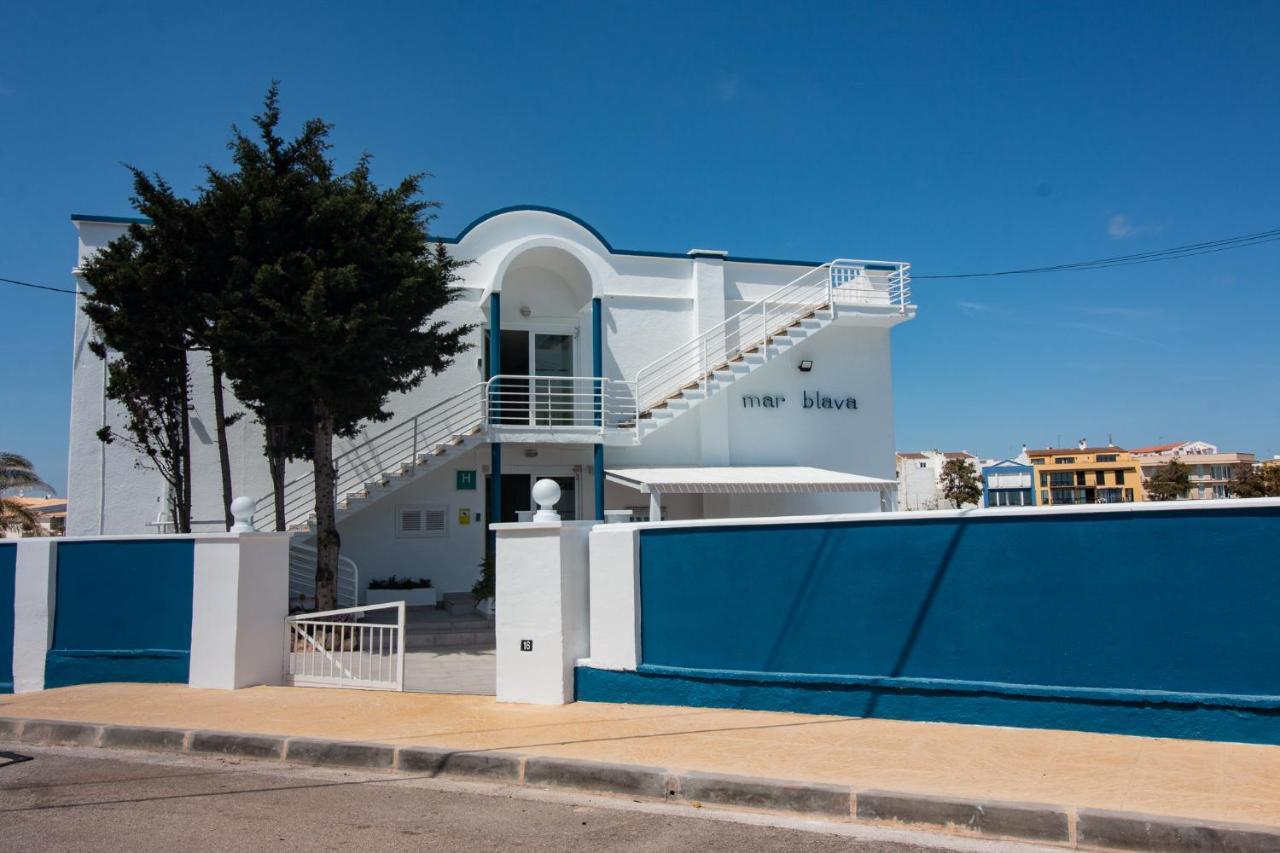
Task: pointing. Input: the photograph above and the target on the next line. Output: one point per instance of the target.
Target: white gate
(335, 648)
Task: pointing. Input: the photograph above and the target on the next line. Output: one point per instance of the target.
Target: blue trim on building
(1008, 466)
(495, 448)
(1155, 622)
(8, 574)
(67, 667)
(1222, 718)
(119, 220)
(123, 612)
(537, 208)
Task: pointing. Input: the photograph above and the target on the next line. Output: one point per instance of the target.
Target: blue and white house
(698, 384)
(1009, 482)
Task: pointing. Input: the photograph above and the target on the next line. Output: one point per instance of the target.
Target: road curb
(1069, 827)
(1031, 821)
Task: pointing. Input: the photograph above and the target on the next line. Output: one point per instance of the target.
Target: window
(1107, 457)
(1044, 479)
(1081, 478)
(1128, 495)
(415, 520)
(1039, 460)
(1064, 496)
(1063, 460)
(1100, 478)
(1120, 478)
(1044, 496)
(922, 464)
(1062, 478)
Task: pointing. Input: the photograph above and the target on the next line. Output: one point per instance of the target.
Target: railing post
(413, 460)
(400, 646)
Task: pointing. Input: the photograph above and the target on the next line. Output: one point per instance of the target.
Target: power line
(1175, 253)
(1190, 250)
(37, 286)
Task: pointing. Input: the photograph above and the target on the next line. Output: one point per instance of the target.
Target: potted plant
(415, 592)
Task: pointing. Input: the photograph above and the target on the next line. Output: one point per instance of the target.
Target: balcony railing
(558, 403)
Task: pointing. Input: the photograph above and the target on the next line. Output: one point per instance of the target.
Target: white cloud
(727, 88)
(1119, 227)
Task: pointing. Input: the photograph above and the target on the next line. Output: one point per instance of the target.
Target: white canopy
(745, 481)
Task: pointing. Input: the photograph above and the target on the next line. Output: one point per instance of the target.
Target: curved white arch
(592, 262)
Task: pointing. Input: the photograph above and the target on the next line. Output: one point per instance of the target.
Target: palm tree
(15, 471)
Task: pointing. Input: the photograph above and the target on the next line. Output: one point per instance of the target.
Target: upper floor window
(1063, 460)
(1107, 457)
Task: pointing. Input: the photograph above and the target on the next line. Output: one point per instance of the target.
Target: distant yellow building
(1086, 475)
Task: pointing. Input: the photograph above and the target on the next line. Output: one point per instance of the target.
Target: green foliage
(1169, 482)
(142, 330)
(486, 584)
(1255, 482)
(331, 286)
(394, 582)
(960, 483)
(16, 471)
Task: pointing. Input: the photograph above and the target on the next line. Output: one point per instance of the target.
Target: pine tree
(335, 283)
(142, 332)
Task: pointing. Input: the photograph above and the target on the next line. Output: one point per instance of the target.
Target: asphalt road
(70, 800)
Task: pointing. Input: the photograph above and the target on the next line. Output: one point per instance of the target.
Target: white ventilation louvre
(422, 520)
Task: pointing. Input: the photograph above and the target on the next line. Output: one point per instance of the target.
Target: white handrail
(753, 326)
(382, 454)
(558, 402)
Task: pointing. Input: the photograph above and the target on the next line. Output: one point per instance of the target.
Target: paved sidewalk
(1189, 779)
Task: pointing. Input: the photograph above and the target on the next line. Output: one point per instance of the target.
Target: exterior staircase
(622, 411)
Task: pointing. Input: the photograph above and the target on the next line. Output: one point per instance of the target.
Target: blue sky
(958, 136)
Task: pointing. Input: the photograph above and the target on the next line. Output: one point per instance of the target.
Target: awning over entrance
(772, 480)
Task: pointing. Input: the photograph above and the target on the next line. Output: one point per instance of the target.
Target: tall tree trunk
(275, 446)
(224, 455)
(184, 458)
(328, 542)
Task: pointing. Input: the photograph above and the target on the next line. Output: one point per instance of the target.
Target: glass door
(553, 397)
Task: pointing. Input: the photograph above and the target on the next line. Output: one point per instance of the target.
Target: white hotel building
(703, 383)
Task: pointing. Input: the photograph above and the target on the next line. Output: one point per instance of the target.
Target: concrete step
(459, 602)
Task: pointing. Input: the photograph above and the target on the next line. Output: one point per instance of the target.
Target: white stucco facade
(547, 268)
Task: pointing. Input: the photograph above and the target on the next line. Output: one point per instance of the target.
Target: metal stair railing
(394, 449)
(302, 576)
(880, 283)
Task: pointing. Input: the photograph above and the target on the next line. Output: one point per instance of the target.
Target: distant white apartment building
(920, 478)
(1211, 469)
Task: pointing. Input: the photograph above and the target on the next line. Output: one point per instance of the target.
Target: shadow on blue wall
(123, 612)
(1153, 622)
(8, 567)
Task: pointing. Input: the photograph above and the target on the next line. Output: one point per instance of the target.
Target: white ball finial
(545, 494)
(242, 512)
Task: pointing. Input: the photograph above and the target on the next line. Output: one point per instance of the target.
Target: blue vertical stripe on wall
(597, 370)
(8, 572)
(123, 612)
(495, 449)
(1153, 622)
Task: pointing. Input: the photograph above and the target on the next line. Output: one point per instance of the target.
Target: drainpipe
(597, 370)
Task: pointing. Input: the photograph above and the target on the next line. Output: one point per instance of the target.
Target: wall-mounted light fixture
(526, 311)
(806, 366)
(531, 452)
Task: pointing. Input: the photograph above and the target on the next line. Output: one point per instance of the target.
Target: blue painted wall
(123, 612)
(1143, 622)
(8, 566)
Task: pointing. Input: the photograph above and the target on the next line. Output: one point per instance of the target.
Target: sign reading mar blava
(809, 400)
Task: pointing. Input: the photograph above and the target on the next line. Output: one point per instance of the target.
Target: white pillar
(615, 597)
(239, 603)
(655, 505)
(542, 625)
(34, 600)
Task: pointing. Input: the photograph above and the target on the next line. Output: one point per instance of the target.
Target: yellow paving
(1195, 779)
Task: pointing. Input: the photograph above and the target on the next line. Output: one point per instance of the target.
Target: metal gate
(344, 648)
